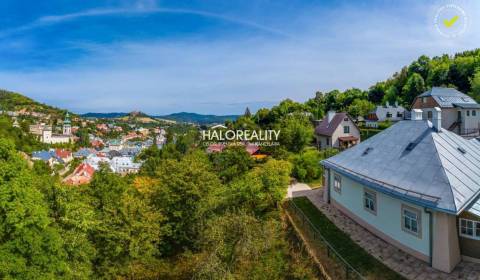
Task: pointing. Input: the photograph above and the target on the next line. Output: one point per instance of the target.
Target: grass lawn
(346, 247)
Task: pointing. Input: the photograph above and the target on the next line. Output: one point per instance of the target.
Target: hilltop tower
(67, 126)
(247, 113)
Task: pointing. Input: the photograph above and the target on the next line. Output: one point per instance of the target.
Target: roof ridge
(437, 154)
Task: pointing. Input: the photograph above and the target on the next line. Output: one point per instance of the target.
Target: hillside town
(372, 158)
(98, 148)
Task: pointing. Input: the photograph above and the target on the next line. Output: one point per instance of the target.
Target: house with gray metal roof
(460, 112)
(416, 185)
(337, 130)
(383, 113)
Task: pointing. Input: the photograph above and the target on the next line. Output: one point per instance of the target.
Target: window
(389, 115)
(337, 183)
(468, 113)
(399, 115)
(469, 228)
(328, 141)
(429, 115)
(370, 201)
(411, 222)
(346, 129)
(424, 100)
(474, 113)
(466, 227)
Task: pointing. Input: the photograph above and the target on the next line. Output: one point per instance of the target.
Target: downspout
(430, 233)
(328, 184)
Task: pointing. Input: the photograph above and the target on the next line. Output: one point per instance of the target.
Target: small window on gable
(346, 129)
(345, 119)
(337, 183)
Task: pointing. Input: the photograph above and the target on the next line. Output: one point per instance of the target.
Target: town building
(49, 137)
(416, 185)
(124, 165)
(384, 113)
(460, 113)
(63, 156)
(337, 130)
(45, 156)
(83, 174)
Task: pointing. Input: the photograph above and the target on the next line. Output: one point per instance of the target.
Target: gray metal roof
(434, 172)
(446, 97)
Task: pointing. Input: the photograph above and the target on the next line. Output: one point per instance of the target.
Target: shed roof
(412, 161)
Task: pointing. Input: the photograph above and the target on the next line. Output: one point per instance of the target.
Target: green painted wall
(388, 218)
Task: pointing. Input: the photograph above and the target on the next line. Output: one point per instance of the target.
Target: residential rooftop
(450, 98)
(414, 161)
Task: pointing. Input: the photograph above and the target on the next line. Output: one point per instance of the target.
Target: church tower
(67, 126)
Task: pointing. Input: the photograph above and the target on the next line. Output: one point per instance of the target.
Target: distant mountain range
(178, 117)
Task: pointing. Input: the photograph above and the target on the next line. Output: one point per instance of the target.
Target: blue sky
(211, 56)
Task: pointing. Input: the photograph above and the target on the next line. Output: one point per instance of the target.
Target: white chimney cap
(417, 115)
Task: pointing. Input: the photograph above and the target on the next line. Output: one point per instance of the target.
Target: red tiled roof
(61, 153)
(82, 175)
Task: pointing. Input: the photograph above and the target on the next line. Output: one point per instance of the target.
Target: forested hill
(198, 118)
(12, 101)
(460, 71)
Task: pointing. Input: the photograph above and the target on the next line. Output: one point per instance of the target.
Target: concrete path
(298, 189)
(394, 258)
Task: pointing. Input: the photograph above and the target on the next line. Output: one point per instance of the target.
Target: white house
(383, 113)
(460, 113)
(416, 185)
(124, 165)
(337, 130)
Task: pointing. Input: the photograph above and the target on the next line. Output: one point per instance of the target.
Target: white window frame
(475, 225)
(337, 183)
(418, 220)
(372, 201)
(346, 129)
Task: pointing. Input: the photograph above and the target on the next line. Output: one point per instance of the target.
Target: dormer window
(424, 100)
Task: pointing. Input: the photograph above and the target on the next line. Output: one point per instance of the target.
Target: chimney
(437, 119)
(387, 104)
(417, 115)
(396, 103)
(330, 116)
